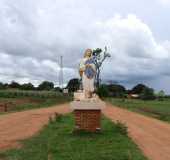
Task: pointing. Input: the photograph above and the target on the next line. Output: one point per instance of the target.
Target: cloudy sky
(35, 33)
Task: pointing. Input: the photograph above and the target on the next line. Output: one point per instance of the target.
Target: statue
(86, 105)
(87, 71)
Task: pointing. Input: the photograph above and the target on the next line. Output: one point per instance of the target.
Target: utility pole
(61, 72)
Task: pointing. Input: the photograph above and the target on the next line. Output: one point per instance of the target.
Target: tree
(138, 89)
(27, 86)
(2, 85)
(103, 91)
(99, 58)
(116, 90)
(147, 94)
(73, 85)
(14, 84)
(160, 95)
(58, 89)
(46, 85)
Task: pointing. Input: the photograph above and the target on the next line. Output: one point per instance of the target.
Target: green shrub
(103, 91)
(121, 128)
(40, 94)
(147, 94)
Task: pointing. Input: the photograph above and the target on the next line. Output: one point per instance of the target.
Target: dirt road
(151, 135)
(21, 125)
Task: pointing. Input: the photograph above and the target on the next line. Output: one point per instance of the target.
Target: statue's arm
(81, 68)
(94, 67)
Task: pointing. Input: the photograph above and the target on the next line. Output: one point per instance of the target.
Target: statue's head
(88, 53)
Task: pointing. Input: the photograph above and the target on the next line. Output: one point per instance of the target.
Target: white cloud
(165, 2)
(33, 35)
(134, 50)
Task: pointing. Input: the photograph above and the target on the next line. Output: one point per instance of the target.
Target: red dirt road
(151, 135)
(21, 125)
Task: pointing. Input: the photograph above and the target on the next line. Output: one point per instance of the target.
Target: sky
(34, 34)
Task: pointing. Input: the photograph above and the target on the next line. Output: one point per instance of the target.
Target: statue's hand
(81, 73)
(87, 65)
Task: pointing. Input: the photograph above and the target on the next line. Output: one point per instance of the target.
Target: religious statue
(87, 71)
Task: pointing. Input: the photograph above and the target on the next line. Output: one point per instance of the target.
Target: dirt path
(21, 125)
(151, 135)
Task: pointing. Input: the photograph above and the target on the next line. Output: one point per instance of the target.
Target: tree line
(141, 91)
(45, 85)
(104, 90)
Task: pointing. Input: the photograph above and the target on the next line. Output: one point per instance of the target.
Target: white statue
(87, 71)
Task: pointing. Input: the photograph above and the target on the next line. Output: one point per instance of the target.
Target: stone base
(87, 114)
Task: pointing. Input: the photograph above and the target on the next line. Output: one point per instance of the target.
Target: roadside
(21, 125)
(151, 135)
(152, 108)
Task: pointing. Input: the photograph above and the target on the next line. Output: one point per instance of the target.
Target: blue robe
(89, 71)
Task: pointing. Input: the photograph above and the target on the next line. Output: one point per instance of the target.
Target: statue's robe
(88, 74)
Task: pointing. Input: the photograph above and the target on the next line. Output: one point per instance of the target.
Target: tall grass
(38, 94)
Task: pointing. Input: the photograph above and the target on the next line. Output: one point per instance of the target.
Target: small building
(133, 96)
(65, 91)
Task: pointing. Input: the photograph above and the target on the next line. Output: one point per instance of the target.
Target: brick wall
(88, 120)
(3, 107)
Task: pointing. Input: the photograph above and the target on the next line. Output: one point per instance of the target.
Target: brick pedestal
(88, 120)
(87, 115)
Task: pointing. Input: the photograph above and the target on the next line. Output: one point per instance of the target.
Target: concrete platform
(87, 105)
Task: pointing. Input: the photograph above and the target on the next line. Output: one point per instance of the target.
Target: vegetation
(73, 85)
(18, 97)
(17, 104)
(45, 85)
(19, 93)
(99, 58)
(138, 89)
(154, 108)
(111, 90)
(118, 91)
(17, 100)
(103, 91)
(147, 94)
(58, 142)
(160, 95)
(27, 86)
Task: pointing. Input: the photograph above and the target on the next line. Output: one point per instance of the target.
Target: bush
(147, 94)
(73, 85)
(46, 86)
(103, 91)
(116, 90)
(121, 128)
(40, 94)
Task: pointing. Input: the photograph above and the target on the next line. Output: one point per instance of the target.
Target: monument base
(87, 114)
(88, 120)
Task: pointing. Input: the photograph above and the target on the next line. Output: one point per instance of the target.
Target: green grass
(153, 108)
(15, 93)
(32, 103)
(57, 142)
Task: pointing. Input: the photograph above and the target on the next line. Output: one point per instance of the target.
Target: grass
(152, 108)
(26, 103)
(57, 142)
(14, 93)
